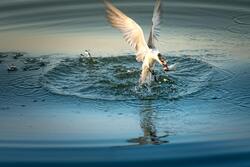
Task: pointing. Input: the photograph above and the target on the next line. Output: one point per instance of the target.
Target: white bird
(86, 54)
(147, 53)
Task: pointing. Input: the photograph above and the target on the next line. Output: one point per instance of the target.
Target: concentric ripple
(27, 86)
(116, 78)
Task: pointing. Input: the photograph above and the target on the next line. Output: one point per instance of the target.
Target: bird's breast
(151, 62)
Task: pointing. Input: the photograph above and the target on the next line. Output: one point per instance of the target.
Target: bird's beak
(163, 62)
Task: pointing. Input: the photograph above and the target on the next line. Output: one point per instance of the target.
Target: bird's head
(162, 61)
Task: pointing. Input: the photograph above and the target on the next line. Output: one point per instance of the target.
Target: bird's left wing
(155, 29)
(132, 32)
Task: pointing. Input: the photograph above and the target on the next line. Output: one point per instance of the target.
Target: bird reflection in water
(150, 135)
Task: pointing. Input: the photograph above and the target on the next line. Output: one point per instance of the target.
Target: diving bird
(146, 52)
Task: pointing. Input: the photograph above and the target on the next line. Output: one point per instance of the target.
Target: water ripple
(78, 14)
(116, 78)
(27, 85)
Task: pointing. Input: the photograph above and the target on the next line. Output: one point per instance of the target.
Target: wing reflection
(147, 122)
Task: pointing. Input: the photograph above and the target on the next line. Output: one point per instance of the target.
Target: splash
(116, 78)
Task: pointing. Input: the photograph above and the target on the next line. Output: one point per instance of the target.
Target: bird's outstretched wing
(156, 20)
(132, 32)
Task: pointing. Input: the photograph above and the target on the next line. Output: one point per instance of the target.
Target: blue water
(62, 109)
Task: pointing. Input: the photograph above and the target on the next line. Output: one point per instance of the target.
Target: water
(57, 106)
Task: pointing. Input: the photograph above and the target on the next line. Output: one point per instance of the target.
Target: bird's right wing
(155, 29)
(132, 32)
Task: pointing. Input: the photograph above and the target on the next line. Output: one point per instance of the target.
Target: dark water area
(54, 108)
(63, 109)
(207, 154)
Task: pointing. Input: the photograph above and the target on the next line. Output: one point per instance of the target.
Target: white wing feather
(155, 29)
(132, 32)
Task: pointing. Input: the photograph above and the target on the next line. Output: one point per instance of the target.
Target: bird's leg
(154, 74)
